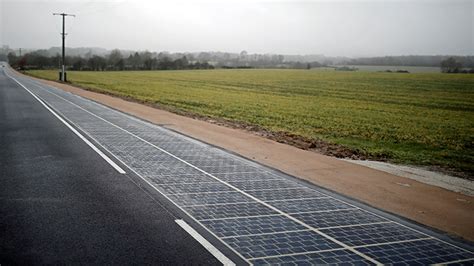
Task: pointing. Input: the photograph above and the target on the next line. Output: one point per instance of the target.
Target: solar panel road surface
(254, 213)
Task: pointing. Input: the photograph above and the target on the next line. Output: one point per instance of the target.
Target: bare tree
(450, 65)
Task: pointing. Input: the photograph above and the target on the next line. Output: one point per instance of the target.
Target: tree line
(452, 65)
(98, 60)
(113, 61)
(412, 60)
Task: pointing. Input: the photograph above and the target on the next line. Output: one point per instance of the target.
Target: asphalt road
(60, 202)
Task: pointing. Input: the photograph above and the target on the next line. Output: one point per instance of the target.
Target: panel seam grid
(231, 186)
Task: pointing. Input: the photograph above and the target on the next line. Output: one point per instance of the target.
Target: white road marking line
(105, 157)
(178, 135)
(213, 250)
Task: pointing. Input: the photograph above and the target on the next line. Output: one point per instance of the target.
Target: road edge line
(97, 150)
(206, 244)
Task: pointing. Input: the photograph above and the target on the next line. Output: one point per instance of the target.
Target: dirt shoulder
(436, 207)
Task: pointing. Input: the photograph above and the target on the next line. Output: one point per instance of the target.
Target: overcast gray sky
(334, 28)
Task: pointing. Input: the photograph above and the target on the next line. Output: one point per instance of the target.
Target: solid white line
(105, 157)
(213, 250)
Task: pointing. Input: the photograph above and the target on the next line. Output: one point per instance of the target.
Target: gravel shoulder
(452, 183)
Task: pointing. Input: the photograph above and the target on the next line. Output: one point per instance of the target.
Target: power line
(63, 63)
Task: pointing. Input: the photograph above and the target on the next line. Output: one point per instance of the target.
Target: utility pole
(62, 76)
(20, 52)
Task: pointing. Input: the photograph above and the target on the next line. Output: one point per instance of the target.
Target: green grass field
(421, 119)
